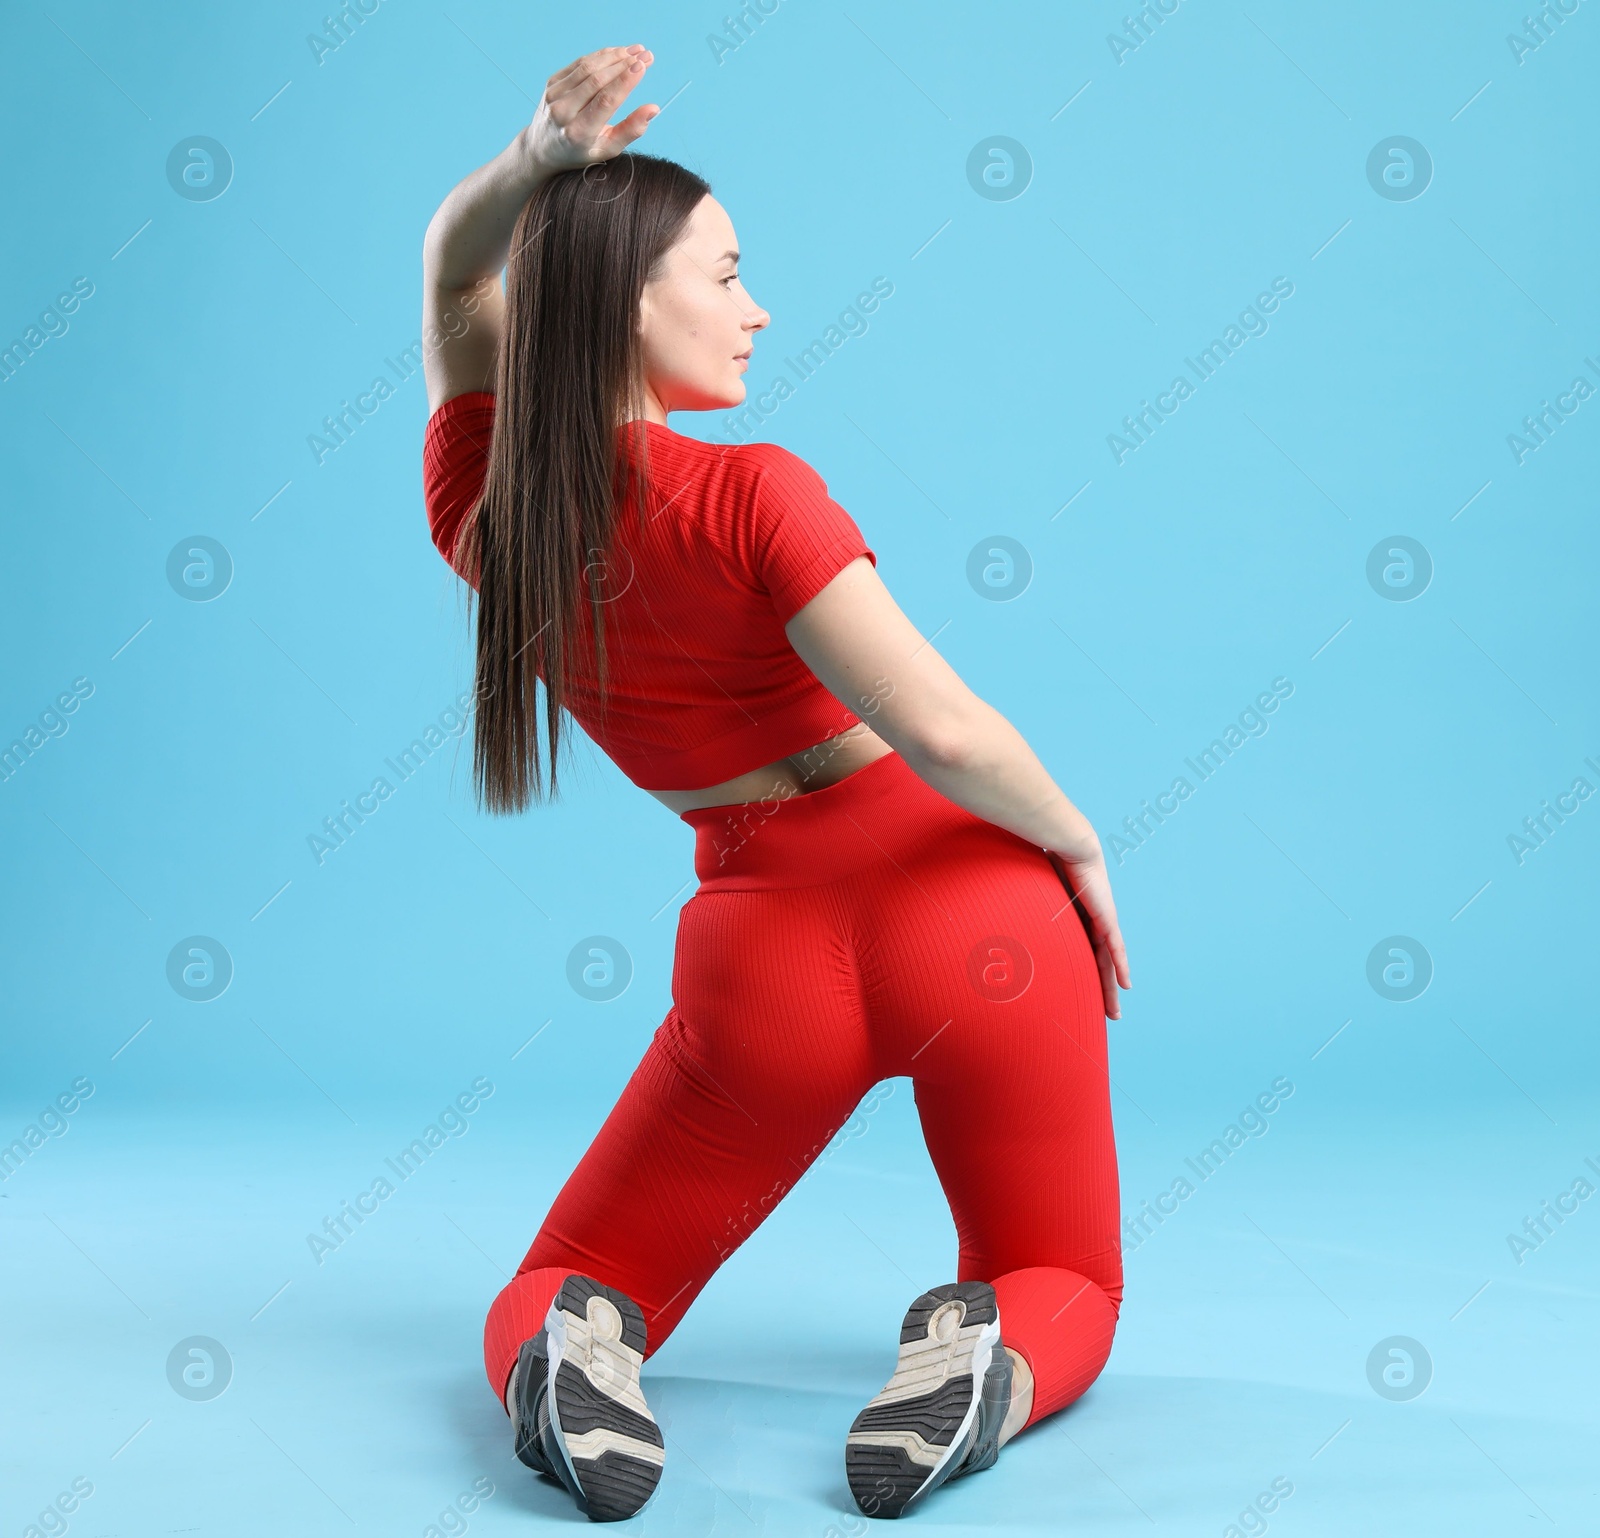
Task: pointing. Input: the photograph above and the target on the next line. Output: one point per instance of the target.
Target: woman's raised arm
(469, 237)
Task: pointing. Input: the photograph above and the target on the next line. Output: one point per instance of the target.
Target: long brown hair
(570, 373)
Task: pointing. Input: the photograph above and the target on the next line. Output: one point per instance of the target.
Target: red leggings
(868, 929)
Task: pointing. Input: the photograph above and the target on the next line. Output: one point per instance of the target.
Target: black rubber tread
(882, 1479)
(574, 1299)
(581, 1408)
(615, 1485)
(935, 1417)
(981, 1307)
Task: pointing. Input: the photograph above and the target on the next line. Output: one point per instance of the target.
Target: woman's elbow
(945, 743)
(434, 255)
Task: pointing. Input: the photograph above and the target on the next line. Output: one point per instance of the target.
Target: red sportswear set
(868, 929)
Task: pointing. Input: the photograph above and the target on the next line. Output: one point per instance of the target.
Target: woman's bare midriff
(812, 769)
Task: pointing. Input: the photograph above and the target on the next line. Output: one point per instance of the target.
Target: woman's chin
(721, 398)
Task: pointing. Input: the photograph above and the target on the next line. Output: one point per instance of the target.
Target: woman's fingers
(1111, 937)
(564, 79)
(1105, 956)
(1111, 933)
(594, 97)
(589, 98)
(622, 134)
(1111, 978)
(1090, 888)
(582, 98)
(1108, 982)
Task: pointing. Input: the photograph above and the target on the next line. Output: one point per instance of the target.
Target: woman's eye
(732, 277)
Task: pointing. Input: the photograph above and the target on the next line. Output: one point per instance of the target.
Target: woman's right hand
(1088, 883)
(570, 128)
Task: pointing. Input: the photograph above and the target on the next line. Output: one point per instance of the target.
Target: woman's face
(697, 322)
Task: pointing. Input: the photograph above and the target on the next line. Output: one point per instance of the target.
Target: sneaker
(580, 1415)
(939, 1416)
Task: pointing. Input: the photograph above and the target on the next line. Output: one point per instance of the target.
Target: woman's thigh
(761, 1058)
(983, 988)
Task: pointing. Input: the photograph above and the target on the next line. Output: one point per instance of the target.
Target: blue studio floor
(354, 1395)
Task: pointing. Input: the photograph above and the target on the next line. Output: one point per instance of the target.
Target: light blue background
(1166, 592)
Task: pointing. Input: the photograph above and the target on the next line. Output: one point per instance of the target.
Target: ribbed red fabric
(703, 682)
(869, 929)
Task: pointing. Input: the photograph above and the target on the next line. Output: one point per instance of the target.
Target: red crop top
(702, 683)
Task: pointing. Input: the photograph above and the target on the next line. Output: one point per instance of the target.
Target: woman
(889, 881)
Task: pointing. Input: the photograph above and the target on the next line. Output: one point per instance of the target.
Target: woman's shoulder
(779, 473)
(751, 455)
(745, 469)
(752, 464)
